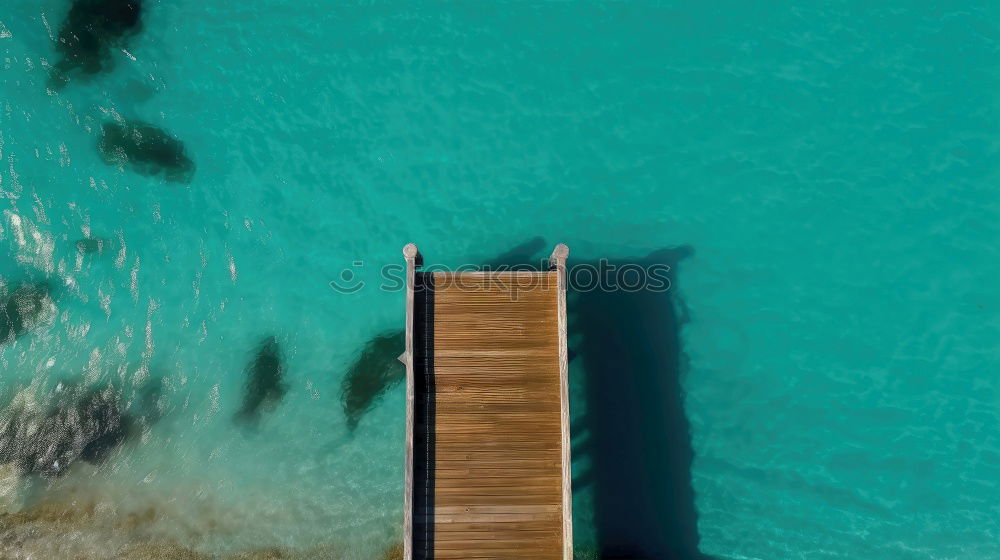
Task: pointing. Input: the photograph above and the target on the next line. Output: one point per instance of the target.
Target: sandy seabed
(88, 530)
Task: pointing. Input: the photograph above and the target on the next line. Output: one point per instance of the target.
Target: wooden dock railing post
(557, 261)
(412, 256)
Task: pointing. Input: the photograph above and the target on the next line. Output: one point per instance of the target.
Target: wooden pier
(487, 472)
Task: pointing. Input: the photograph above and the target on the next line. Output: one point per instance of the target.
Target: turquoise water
(834, 168)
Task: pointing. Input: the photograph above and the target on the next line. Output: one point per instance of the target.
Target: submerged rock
(375, 371)
(91, 30)
(265, 381)
(79, 425)
(147, 149)
(89, 245)
(22, 309)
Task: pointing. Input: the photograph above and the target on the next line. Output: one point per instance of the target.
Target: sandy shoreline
(87, 530)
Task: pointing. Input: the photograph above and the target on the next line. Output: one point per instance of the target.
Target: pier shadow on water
(424, 417)
(635, 430)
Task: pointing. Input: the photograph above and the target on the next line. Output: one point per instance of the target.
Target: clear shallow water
(833, 168)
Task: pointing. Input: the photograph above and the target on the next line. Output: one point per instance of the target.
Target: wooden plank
(509, 380)
(497, 440)
(483, 510)
(496, 407)
(511, 445)
(542, 545)
(547, 530)
(496, 495)
(537, 319)
(471, 521)
(492, 423)
(463, 311)
(520, 548)
(530, 478)
(527, 430)
(520, 382)
(474, 394)
(487, 351)
(506, 302)
(499, 528)
(497, 500)
(474, 471)
(498, 458)
(511, 297)
(511, 359)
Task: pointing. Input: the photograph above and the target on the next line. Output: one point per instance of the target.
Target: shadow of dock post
(639, 436)
(424, 417)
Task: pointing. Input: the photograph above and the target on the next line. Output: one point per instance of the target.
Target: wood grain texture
(557, 262)
(498, 432)
(411, 254)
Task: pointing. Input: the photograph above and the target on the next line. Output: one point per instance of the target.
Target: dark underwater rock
(79, 425)
(89, 245)
(265, 381)
(91, 30)
(375, 371)
(22, 308)
(147, 149)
